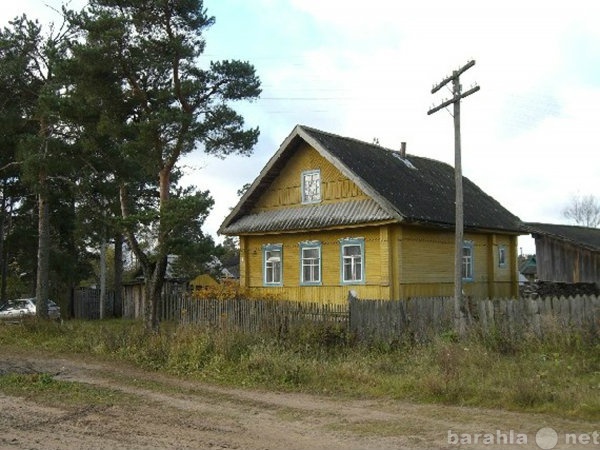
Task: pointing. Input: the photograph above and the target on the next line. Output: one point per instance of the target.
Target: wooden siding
(331, 290)
(400, 262)
(285, 189)
(563, 262)
(426, 264)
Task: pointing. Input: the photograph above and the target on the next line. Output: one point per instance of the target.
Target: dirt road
(153, 411)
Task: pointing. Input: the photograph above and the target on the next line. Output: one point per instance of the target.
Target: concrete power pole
(457, 95)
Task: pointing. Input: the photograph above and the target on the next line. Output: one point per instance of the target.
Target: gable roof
(585, 237)
(411, 189)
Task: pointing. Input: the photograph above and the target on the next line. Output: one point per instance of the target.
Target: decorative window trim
(352, 242)
(316, 196)
(265, 265)
(468, 261)
(502, 252)
(307, 262)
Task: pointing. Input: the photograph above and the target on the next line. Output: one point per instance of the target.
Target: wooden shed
(566, 253)
(134, 295)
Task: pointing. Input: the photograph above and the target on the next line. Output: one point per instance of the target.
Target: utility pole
(457, 95)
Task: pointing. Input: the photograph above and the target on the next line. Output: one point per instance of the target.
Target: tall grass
(559, 375)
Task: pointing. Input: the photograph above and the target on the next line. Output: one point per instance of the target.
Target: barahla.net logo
(498, 437)
(546, 438)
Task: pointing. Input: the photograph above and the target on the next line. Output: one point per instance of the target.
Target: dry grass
(559, 375)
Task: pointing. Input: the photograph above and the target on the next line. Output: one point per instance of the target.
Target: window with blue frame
(352, 256)
(273, 265)
(310, 262)
(467, 261)
(502, 256)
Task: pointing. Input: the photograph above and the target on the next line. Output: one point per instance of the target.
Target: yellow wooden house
(330, 214)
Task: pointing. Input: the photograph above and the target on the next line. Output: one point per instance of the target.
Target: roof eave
(257, 181)
(566, 240)
(535, 228)
(303, 230)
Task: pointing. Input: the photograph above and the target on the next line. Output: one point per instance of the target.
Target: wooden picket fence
(390, 320)
(249, 315)
(374, 320)
(86, 304)
(384, 320)
(421, 318)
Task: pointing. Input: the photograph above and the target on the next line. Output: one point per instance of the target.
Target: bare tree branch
(583, 210)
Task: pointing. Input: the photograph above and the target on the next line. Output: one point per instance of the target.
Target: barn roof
(585, 237)
(408, 189)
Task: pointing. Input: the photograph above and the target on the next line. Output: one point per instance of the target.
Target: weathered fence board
(86, 304)
(392, 320)
(248, 315)
(419, 318)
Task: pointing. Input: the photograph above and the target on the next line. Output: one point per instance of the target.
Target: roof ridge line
(375, 146)
(360, 141)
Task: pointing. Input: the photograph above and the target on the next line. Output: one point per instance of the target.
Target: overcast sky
(530, 136)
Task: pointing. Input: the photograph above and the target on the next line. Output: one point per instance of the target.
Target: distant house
(566, 253)
(224, 268)
(202, 281)
(528, 268)
(329, 214)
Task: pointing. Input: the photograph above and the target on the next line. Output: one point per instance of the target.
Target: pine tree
(29, 58)
(140, 62)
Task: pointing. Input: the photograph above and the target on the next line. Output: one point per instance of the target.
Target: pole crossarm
(455, 74)
(453, 100)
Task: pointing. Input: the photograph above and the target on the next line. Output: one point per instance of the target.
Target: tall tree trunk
(2, 240)
(157, 280)
(154, 273)
(103, 276)
(5, 253)
(118, 287)
(154, 287)
(8, 224)
(43, 255)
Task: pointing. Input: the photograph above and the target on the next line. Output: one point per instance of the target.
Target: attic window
(311, 186)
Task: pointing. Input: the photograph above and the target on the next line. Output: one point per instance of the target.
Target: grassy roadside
(49, 391)
(560, 376)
